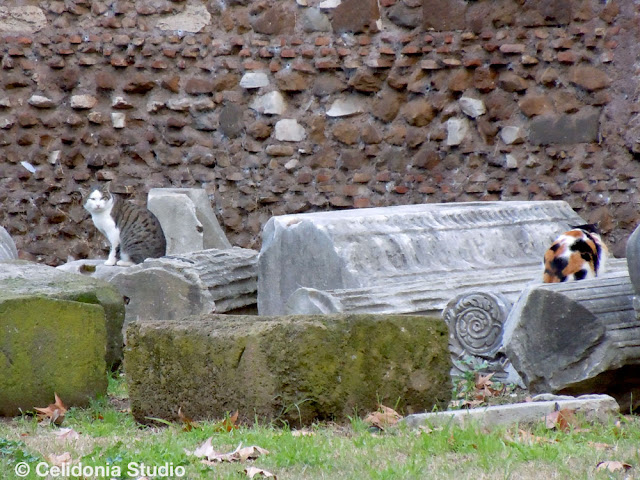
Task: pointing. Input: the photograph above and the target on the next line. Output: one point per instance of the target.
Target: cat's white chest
(105, 223)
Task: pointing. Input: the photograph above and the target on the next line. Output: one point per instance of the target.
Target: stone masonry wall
(283, 106)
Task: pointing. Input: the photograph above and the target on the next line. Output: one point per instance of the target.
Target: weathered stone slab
(298, 369)
(174, 287)
(428, 296)
(49, 345)
(633, 261)
(577, 337)
(594, 408)
(362, 248)
(25, 19)
(8, 249)
(579, 127)
(193, 19)
(19, 279)
(188, 221)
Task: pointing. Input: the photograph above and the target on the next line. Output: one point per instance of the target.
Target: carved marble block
(188, 221)
(7, 246)
(437, 244)
(577, 337)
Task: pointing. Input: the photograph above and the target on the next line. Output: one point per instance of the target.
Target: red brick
(401, 189)
(253, 65)
(360, 177)
(326, 64)
(321, 41)
(567, 57)
(264, 52)
(308, 52)
(361, 203)
(410, 50)
(288, 53)
(327, 51)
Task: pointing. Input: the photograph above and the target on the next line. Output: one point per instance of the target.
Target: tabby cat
(575, 255)
(133, 232)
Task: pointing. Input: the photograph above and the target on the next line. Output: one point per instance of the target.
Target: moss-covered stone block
(293, 368)
(25, 279)
(49, 345)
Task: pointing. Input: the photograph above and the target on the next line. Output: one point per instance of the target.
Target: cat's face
(98, 200)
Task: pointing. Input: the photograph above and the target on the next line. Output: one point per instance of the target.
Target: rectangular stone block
(20, 279)
(361, 248)
(296, 368)
(49, 345)
(580, 127)
(188, 221)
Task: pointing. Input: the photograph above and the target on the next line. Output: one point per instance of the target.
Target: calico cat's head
(98, 199)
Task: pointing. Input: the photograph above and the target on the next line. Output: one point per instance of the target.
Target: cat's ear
(588, 227)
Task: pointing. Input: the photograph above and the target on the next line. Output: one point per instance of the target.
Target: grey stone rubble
(577, 337)
(188, 221)
(593, 407)
(177, 286)
(8, 249)
(363, 248)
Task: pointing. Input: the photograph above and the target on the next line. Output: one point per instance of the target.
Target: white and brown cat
(134, 233)
(577, 254)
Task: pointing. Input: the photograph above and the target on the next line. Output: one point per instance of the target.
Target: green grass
(109, 436)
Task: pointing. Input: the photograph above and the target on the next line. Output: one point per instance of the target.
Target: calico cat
(575, 255)
(134, 233)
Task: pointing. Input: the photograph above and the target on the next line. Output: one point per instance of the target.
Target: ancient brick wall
(282, 106)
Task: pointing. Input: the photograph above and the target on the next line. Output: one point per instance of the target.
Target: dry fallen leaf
(302, 433)
(188, 422)
(382, 418)
(253, 471)
(66, 434)
(484, 381)
(527, 438)
(54, 412)
(240, 454)
(613, 466)
(227, 424)
(59, 460)
(563, 420)
(600, 446)
(203, 450)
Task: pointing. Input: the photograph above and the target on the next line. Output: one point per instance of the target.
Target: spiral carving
(475, 323)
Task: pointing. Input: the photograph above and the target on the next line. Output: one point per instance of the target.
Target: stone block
(49, 345)
(579, 127)
(444, 15)
(297, 369)
(8, 249)
(19, 279)
(600, 408)
(188, 221)
(363, 248)
(577, 337)
(174, 287)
